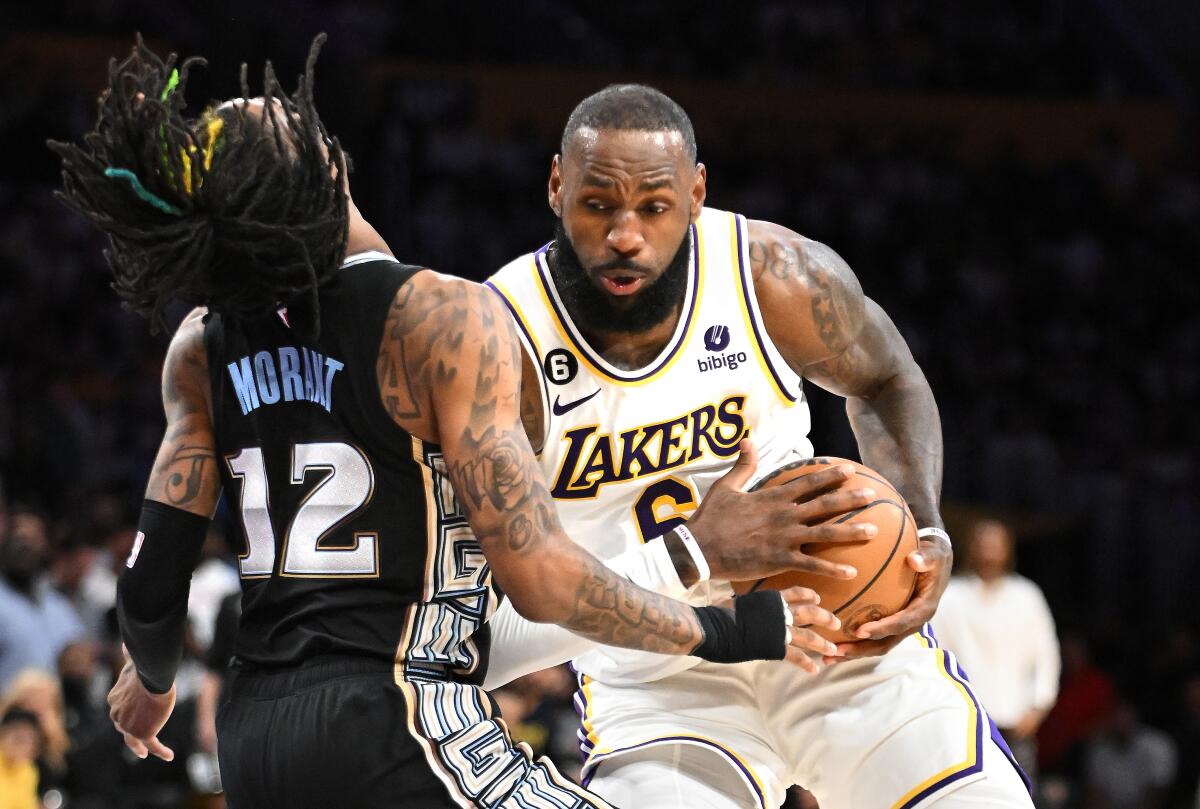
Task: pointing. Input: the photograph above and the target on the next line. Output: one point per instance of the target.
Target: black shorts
(346, 733)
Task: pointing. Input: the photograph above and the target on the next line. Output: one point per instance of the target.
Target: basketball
(885, 581)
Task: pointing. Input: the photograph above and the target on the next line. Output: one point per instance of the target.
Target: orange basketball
(884, 583)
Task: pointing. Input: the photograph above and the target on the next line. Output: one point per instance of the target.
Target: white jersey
(628, 454)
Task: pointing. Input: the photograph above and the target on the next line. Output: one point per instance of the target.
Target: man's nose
(625, 237)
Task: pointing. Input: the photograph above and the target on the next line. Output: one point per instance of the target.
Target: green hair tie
(140, 190)
(172, 83)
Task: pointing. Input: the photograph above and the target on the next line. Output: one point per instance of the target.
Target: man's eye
(656, 209)
(596, 206)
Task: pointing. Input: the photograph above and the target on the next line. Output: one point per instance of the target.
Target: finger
(160, 750)
(800, 595)
(833, 504)
(920, 608)
(135, 745)
(743, 468)
(809, 641)
(830, 532)
(867, 648)
(920, 561)
(905, 622)
(805, 487)
(802, 660)
(799, 560)
(810, 615)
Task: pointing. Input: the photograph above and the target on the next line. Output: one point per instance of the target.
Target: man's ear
(554, 186)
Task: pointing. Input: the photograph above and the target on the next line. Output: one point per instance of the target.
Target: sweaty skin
(633, 194)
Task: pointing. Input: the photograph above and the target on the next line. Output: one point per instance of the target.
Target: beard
(593, 309)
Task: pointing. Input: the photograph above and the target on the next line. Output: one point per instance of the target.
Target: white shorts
(892, 732)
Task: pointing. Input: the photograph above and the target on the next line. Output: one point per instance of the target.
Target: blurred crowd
(1050, 306)
(1049, 48)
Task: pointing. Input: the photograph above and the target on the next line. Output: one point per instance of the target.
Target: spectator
(216, 671)
(1187, 741)
(1087, 696)
(1130, 765)
(39, 693)
(20, 741)
(998, 624)
(214, 578)
(36, 621)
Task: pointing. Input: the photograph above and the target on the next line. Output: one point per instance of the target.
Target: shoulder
(187, 354)
(784, 262)
(811, 300)
(519, 267)
(445, 303)
(1024, 587)
(57, 606)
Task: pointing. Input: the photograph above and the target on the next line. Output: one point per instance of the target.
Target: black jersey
(353, 542)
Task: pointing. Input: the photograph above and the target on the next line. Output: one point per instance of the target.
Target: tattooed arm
(449, 372)
(152, 591)
(185, 473)
(846, 343)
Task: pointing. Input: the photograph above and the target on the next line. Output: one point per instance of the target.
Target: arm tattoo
(390, 369)
(808, 264)
(853, 349)
(185, 473)
(495, 474)
(454, 337)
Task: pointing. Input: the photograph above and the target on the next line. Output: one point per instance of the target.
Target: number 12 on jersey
(346, 487)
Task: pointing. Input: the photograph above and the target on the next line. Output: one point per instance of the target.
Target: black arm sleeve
(152, 591)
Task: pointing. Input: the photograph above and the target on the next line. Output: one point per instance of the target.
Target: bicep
(814, 308)
(491, 465)
(869, 358)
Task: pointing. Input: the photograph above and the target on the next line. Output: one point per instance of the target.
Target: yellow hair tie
(213, 129)
(187, 169)
(215, 126)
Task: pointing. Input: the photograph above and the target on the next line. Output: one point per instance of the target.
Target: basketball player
(363, 416)
(662, 331)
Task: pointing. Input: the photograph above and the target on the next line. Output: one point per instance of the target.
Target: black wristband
(756, 629)
(152, 590)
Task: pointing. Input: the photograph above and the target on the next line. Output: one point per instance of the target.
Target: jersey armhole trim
(367, 255)
(529, 344)
(762, 341)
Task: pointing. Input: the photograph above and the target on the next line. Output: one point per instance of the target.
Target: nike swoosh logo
(560, 409)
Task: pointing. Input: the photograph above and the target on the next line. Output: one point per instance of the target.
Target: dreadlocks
(235, 211)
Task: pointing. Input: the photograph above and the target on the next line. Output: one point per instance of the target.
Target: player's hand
(806, 647)
(139, 714)
(932, 560)
(750, 535)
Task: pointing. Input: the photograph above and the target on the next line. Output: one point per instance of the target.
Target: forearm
(521, 647)
(899, 434)
(152, 591)
(571, 588)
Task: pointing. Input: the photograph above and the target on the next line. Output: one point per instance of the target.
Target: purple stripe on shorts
(762, 799)
(952, 670)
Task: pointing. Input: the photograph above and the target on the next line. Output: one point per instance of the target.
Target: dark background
(1015, 182)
